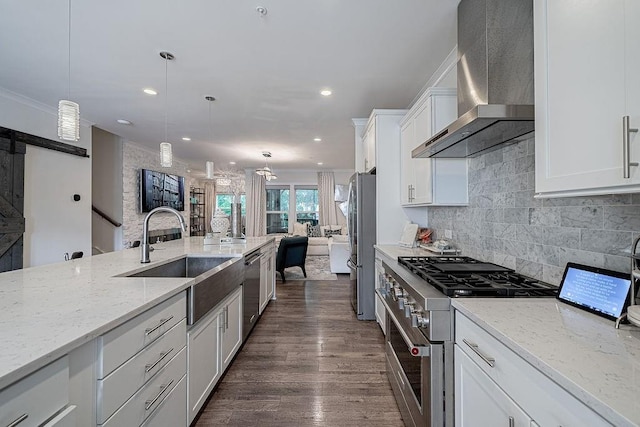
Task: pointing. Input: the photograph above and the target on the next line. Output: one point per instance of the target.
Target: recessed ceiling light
(317, 139)
(232, 163)
(325, 92)
(320, 163)
(188, 170)
(123, 122)
(149, 91)
(186, 138)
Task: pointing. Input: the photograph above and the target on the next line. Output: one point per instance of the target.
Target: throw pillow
(300, 229)
(329, 232)
(313, 230)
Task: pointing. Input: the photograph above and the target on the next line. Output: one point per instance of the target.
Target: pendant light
(69, 111)
(266, 170)
(209, 165)
(166, 154)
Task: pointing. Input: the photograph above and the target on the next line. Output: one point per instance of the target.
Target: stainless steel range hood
(495, 80)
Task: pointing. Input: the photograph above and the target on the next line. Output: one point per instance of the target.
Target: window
(307, 207)
(278, 210)
(223, 202)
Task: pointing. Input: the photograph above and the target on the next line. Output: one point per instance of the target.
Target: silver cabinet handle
(489, 360)
(149, 331)
(512, 422)
(18, 420)
(226, 318)
(626, 131)
(150, 367)
(149, 403)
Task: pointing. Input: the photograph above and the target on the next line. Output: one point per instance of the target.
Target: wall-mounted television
(160, 189)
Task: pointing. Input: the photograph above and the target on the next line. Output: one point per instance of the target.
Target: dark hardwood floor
(308, 362)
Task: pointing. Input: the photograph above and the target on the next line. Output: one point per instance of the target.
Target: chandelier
(266, 170)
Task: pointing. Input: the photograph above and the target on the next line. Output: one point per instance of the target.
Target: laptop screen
(600, 291)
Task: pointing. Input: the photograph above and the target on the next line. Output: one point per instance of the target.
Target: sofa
(319, 245)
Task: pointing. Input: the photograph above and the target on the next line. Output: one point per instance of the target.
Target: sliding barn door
(11, 203)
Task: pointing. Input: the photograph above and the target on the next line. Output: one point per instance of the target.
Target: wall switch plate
(448, 234)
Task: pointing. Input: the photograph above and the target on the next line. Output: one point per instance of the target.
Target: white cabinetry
(267, 275)
(479, 401)
(212, 343)
(430, 181)
(139, 364)
(35, 399)
(587, 80)
(492, 381)
(382, 135)
(381, 312)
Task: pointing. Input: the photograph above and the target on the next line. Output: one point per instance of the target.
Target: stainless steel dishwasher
(251, 297)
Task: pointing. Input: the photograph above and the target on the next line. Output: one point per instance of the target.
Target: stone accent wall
(135, 158)
(506, 225)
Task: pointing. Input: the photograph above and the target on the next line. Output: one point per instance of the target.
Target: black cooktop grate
(486, 279)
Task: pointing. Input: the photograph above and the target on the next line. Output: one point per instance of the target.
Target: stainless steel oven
(416, 366)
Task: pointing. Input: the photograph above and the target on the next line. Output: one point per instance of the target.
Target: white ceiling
(265, 72)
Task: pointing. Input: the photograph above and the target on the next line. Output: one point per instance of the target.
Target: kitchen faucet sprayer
(144, 247)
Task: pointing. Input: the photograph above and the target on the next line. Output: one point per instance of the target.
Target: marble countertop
(47, 311)
(580, 351)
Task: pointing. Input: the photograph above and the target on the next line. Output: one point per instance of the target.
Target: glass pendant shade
(209, 169)
(68, 120)
(166, 155)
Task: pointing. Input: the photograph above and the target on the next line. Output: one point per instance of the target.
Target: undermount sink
(215, 278)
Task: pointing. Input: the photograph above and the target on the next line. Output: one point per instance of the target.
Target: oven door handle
(414, 350)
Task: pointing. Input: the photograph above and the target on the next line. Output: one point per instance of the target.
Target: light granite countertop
(583, 353)
(47, 311)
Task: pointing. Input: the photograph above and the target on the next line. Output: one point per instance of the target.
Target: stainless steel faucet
(145, 230)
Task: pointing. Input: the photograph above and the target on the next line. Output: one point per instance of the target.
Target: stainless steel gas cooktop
(459, 276)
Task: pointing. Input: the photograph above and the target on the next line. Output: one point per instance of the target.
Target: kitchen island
(49, 311)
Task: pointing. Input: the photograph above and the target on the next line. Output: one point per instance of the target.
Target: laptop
(596, 290)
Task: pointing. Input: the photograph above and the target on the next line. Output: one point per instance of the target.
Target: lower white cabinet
(204, 364)
(381, 312)
(171, 410)
(492, 379)
(36, 399)
(267, 275)
(211, 344)
(479, 401)
(66, 418)
(231, 328)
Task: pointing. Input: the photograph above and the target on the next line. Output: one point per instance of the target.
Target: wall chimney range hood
(495, 80)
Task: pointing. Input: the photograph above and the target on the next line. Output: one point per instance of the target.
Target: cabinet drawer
(172, 411)
(37, 397)
(122, 383)
(546, 402)
(66, 418)
(148, 398)
(119, 344)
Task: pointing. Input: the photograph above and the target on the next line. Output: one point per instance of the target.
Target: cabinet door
(232, 331)
(479, 401)
(580, 75)
(423, 128)
(369, 140)
(264, 293)
(407, 179)
(204, 367)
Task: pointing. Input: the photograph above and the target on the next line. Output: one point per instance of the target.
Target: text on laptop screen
(596, 291)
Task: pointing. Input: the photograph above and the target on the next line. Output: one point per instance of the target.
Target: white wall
(106, 189)
(55, 224)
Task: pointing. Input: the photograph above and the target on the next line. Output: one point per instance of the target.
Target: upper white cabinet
(369, 146)
(430, 181)
(587, 74)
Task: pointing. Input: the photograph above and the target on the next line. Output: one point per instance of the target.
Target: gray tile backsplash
(505, 224)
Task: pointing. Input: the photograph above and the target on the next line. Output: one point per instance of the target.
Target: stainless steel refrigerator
(361, 222)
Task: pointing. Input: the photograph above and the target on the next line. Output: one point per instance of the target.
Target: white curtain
(256, 206)
(210, 206)
(326, 184)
